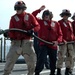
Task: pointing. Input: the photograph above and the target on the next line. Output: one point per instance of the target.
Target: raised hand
(42, 7)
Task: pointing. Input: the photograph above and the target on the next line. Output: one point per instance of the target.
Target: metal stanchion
(4, 48)
(1, 50)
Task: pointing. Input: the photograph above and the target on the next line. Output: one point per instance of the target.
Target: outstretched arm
(35, 13)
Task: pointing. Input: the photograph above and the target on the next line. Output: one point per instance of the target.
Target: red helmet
(20, 5)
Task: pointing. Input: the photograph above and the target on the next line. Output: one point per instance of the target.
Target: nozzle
(1, 31)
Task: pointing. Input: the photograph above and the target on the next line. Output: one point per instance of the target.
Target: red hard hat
(20, 5)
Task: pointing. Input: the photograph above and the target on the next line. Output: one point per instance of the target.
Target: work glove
(30, 32)
(6, 35)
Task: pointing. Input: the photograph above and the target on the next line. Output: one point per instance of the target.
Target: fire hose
(24, 31)
(71, 42)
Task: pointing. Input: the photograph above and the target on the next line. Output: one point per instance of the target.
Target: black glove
(30, 32)
(6, 34)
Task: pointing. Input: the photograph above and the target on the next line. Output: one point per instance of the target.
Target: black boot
(37, 73)
(68, 71)
(52, 72)
(58, 71)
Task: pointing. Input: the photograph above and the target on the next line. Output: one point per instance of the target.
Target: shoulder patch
(16, 18)
(70, 24)
(26, 17)
(53, 24)
(64, 24)
(45, 23)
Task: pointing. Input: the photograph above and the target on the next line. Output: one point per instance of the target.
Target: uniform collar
(21, 15)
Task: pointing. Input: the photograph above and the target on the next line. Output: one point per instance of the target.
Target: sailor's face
(65, 17)
(19, 11)
(46, 17)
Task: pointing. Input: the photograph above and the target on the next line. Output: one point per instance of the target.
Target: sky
(56, 6)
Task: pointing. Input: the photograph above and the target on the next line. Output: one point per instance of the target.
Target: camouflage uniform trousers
(24, 48)
(66, 52)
